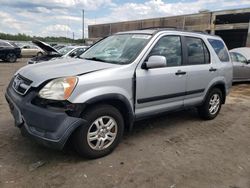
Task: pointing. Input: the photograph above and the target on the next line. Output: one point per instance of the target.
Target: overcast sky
(63, 17)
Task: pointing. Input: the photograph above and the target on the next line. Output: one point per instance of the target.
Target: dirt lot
(175, 151)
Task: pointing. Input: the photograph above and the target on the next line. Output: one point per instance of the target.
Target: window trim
(186, 51)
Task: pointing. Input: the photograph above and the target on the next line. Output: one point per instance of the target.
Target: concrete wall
(189, 22)
(234, 20)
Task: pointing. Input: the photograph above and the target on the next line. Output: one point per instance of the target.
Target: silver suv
(123, 78)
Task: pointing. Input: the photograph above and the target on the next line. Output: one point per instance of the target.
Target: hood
(44, 46)
(39, 73)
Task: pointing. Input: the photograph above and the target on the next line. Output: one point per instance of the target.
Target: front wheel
(101, 134)
(212, 105)
(11, 57)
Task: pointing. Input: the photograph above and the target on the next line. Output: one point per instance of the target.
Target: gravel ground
(178, 150)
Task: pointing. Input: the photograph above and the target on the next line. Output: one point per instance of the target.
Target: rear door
(200, 71)
(161, 89)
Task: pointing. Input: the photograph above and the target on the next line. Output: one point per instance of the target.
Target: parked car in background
(241, 64)
(74, 52)
(9, 51)
(50, 52)
(31, 51)
(58, 46)
(123, 78)
(65, 52)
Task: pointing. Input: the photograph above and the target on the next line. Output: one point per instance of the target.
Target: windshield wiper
(95, 59)
(99, 59)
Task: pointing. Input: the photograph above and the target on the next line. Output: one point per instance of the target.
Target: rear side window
(197, 51)
(219, 49)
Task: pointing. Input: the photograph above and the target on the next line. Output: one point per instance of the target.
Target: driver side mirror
(155, 61)
(248, 61)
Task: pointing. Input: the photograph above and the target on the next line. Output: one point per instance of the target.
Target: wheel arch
(220, 85)
(118, 101)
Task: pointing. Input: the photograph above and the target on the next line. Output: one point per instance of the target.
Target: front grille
(21, 84)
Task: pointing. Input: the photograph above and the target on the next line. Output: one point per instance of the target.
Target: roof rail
(175, 29)
(159, 28)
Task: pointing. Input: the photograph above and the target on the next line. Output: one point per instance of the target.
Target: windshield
(117, 49)
(65, 50)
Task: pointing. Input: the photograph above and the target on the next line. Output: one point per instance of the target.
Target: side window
(233, 57)
(170, 48)
(241, 58)
(219, 49)
(197, 51)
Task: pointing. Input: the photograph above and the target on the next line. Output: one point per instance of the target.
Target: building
(232, 25)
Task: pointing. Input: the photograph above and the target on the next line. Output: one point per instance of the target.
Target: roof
(245, 51)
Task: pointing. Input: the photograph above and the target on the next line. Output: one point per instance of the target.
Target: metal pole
(248, 36)
(83, 24)
(184, 23)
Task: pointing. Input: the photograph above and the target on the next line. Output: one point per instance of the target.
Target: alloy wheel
(102, 133)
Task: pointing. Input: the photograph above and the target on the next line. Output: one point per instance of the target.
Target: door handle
(212, 69)
(179, 72)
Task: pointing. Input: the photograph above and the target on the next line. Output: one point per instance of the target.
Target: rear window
(219, 49)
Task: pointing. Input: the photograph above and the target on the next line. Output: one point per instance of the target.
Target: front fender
(100, 91)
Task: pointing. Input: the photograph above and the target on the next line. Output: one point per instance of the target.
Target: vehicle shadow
(155, 125)
(241, 83)
(6, 62)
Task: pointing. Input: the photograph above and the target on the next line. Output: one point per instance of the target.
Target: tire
(39, 54)
(212, 105)
(82, 140)
(11, 57)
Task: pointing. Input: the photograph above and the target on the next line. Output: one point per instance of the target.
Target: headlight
(59, 89)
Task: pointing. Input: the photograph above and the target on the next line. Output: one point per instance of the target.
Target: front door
(242, 67)
(161, 89)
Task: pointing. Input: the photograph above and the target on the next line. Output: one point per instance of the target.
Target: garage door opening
(233, 38)
(232, 18)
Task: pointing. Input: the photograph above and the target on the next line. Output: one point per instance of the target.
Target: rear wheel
(11, 57)
(212, 105)
(101, 134)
